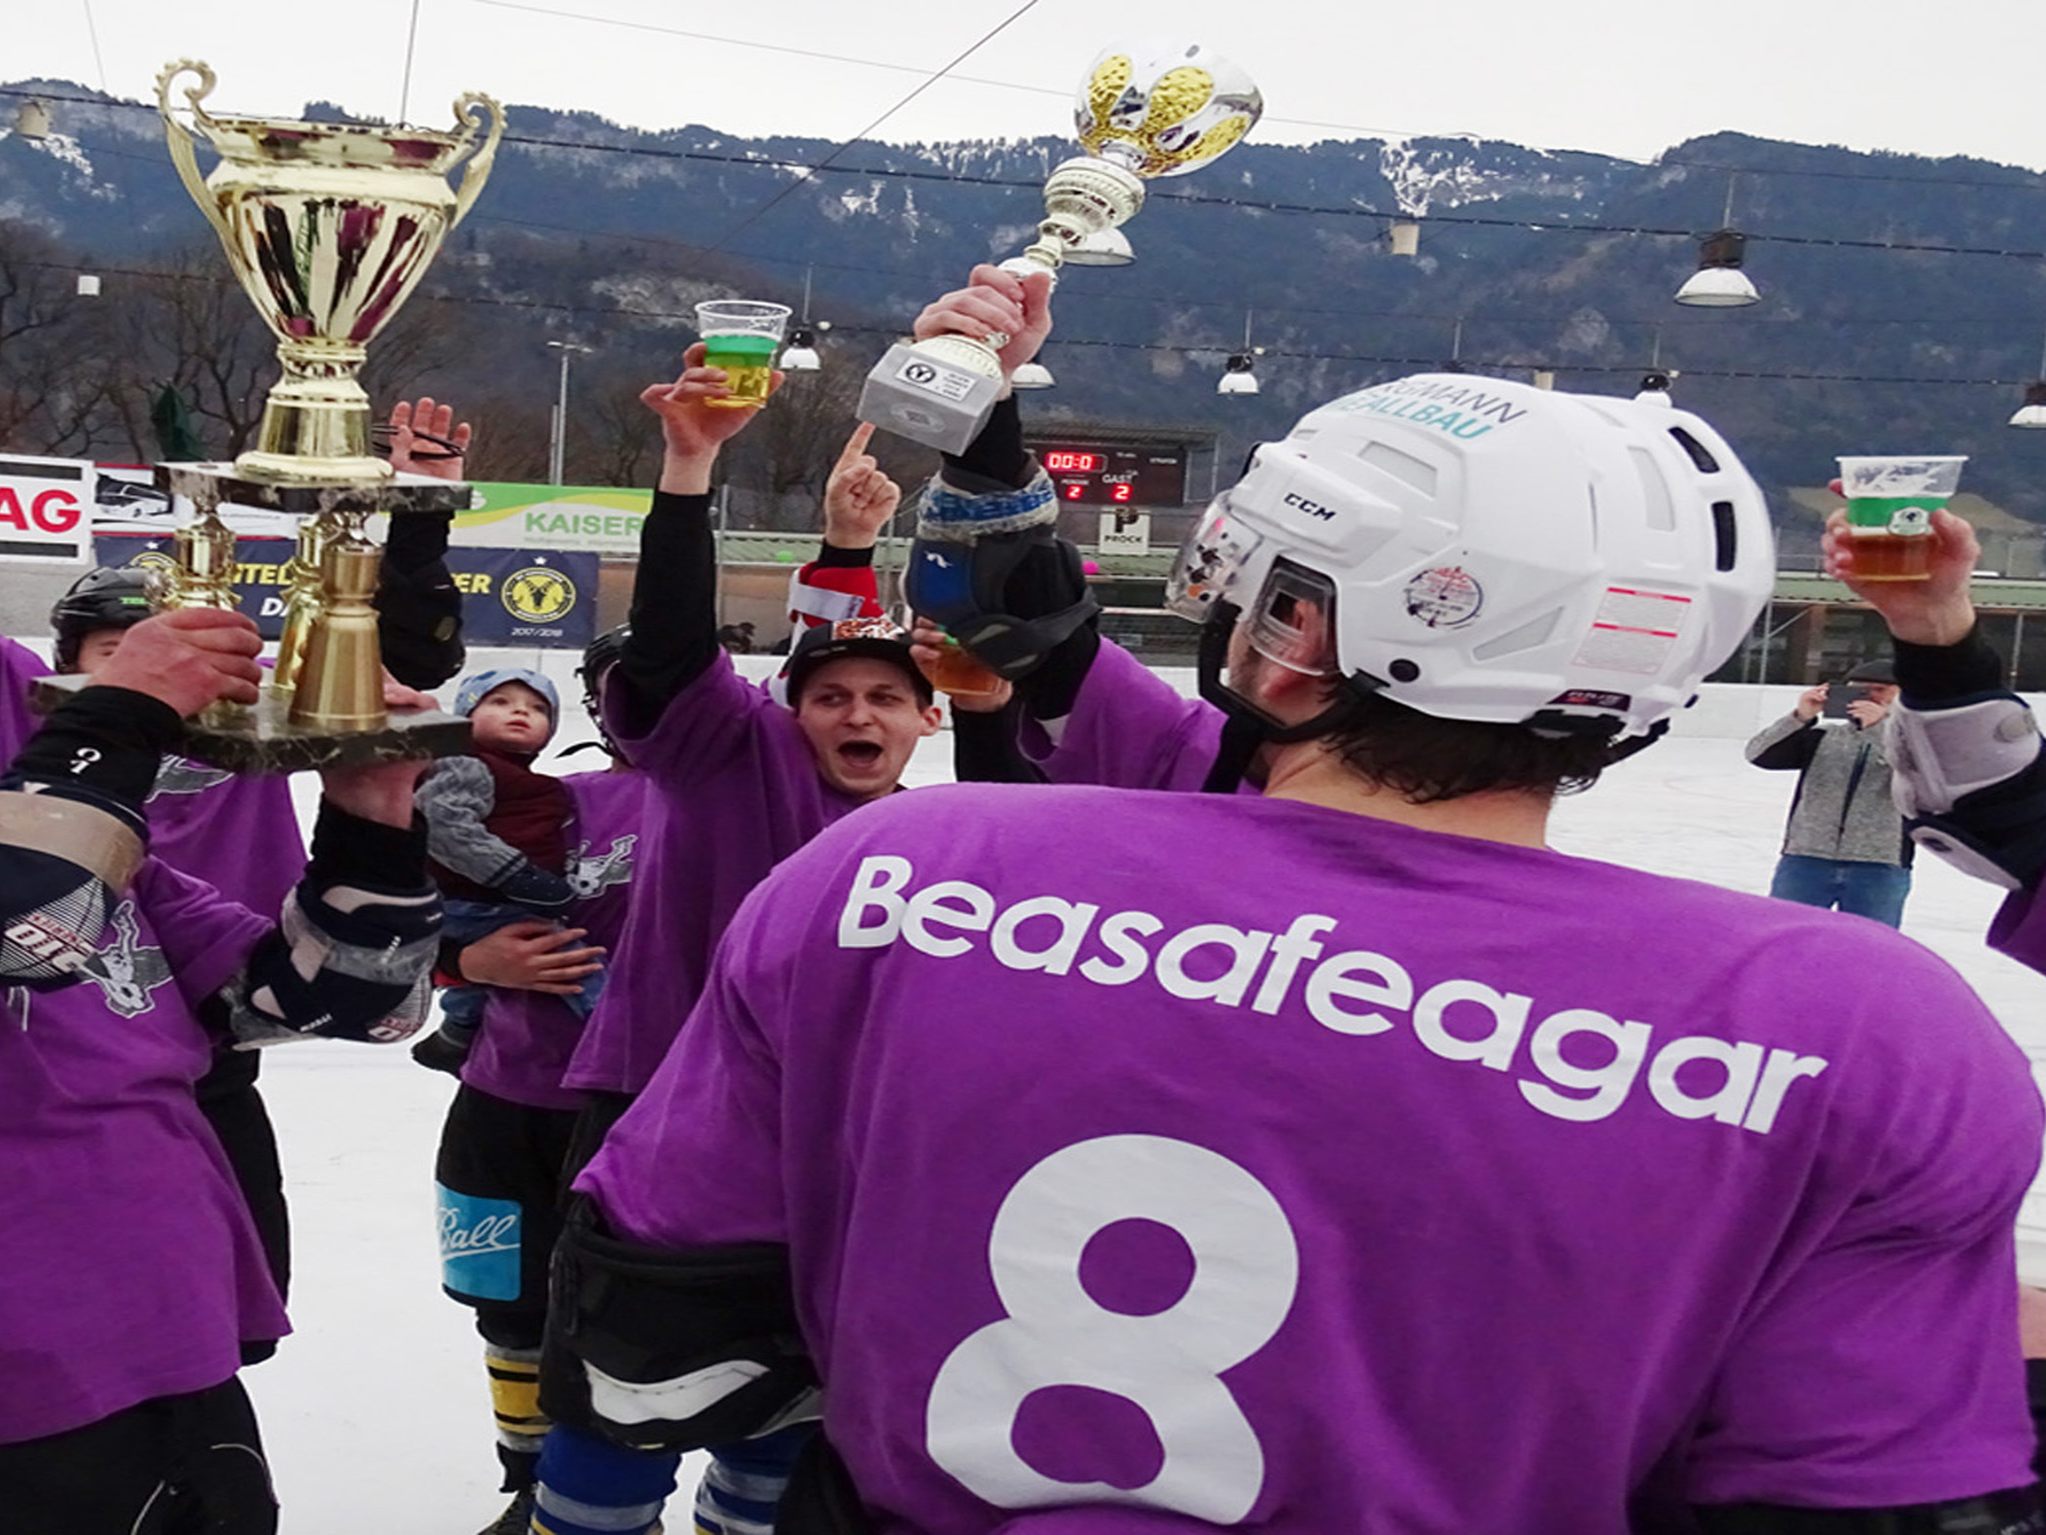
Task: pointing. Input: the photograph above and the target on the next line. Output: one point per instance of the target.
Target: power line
(923, 85)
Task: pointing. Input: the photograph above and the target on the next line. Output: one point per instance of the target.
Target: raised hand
(1935, 611)
(1812, 701)
(859, 499)
(928, 644)
(187, 658)
(692, 428)
(426, 439)
(994, 302)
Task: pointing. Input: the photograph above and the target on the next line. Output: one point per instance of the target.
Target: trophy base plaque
(260, 738)
(209, 486)
(920, 394)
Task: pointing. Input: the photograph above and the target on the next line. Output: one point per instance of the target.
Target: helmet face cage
(1211, 563)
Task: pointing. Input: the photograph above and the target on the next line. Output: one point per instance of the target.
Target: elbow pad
(671, 1350)
(343, 963)
(970, 589)
(64, 860)
(1946, 764)
(2015, 1512)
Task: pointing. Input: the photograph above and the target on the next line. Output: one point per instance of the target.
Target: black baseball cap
(1874, 671)
(880, 638)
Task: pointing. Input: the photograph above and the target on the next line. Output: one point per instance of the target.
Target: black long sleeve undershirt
(1935, 673)
(985, 747)
(674, 636)
(419, 607)
(104, 743)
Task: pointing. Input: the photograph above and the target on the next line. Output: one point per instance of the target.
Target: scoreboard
(1094, 474)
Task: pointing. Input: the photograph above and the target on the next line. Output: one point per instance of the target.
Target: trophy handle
(183, 140)
(480, 160)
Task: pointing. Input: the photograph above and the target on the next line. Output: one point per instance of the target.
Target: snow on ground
(376, 1411)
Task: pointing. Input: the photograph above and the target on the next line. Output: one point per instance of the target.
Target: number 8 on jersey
(1169, 1364)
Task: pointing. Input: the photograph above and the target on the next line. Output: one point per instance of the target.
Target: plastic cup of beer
(741, 335)
(1890, 502)
(957, 674)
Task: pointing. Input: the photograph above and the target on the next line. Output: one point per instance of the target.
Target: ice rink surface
(376, 1412)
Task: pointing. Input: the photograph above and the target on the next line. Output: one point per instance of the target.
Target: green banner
(597, 518)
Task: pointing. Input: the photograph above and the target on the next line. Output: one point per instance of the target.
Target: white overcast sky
(1616, 76)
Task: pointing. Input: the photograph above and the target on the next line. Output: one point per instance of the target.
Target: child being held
(497, 832)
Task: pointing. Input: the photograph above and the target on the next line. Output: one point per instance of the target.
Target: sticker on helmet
(1445, 597)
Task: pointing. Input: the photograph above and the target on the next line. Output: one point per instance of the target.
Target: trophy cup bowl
(329, 227)
(1142, 112)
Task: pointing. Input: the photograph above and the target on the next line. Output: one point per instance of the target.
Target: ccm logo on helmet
(1312, 508)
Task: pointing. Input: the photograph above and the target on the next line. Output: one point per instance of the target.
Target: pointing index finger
(856, 445)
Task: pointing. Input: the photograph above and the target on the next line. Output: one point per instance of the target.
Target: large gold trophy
(329, 227)
(1143, 112)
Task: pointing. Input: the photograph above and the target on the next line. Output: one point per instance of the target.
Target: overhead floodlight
(1406, 237)
(1545, 378)
(800, 355)
(1032, 375)
(1109, 247)
(88, 285)
(2032, 413)
(1719, 282)
(33, 120)
(1655, 389)
(1238, 374)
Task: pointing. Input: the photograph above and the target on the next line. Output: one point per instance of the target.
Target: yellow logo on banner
(537, 595)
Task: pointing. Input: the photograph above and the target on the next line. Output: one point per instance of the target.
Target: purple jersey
(527, 1037)
(133, 1271)
(1129, 729)
(2020, 929)
(1256, 1163)
(239, 835)
(732, 789)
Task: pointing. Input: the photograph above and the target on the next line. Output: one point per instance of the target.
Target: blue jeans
(1873, 890)
(465, 922)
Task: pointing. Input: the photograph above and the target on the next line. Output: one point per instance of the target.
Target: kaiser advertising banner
(509, 596)
(594, 518)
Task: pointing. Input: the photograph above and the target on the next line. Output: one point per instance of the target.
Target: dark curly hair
(1427, 760)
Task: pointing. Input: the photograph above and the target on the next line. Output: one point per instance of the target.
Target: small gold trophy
(329, 227)
(1158, 109)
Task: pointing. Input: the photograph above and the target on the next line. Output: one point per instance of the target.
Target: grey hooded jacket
(1843, 808)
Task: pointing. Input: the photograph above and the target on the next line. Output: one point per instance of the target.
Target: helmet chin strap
(1245, 727)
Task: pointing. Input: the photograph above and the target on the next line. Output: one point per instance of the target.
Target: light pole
(560, 442)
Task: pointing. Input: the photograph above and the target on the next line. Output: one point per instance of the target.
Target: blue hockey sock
(590, 1486)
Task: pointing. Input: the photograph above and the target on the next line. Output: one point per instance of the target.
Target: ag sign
(45, 510)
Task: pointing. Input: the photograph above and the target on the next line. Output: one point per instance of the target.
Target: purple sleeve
(206, 938)
(1129, 729)
(19, 668)
(1882, 1368)
(697, 1158)
(706, 727)
(2020, 929)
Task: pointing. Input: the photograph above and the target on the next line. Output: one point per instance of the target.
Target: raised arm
(419, 607)
(350, 952)
(673, 638)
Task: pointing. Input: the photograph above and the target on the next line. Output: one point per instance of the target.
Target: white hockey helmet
(1492, 552)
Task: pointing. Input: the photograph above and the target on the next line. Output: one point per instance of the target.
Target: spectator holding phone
(1844, 845)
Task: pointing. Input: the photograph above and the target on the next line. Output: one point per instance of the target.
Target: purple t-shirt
(732, 789)
(239, 835)
(1249, 1161)
(528, 1036)
(132, 1270)
(2020, 929)
(1129, 729)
